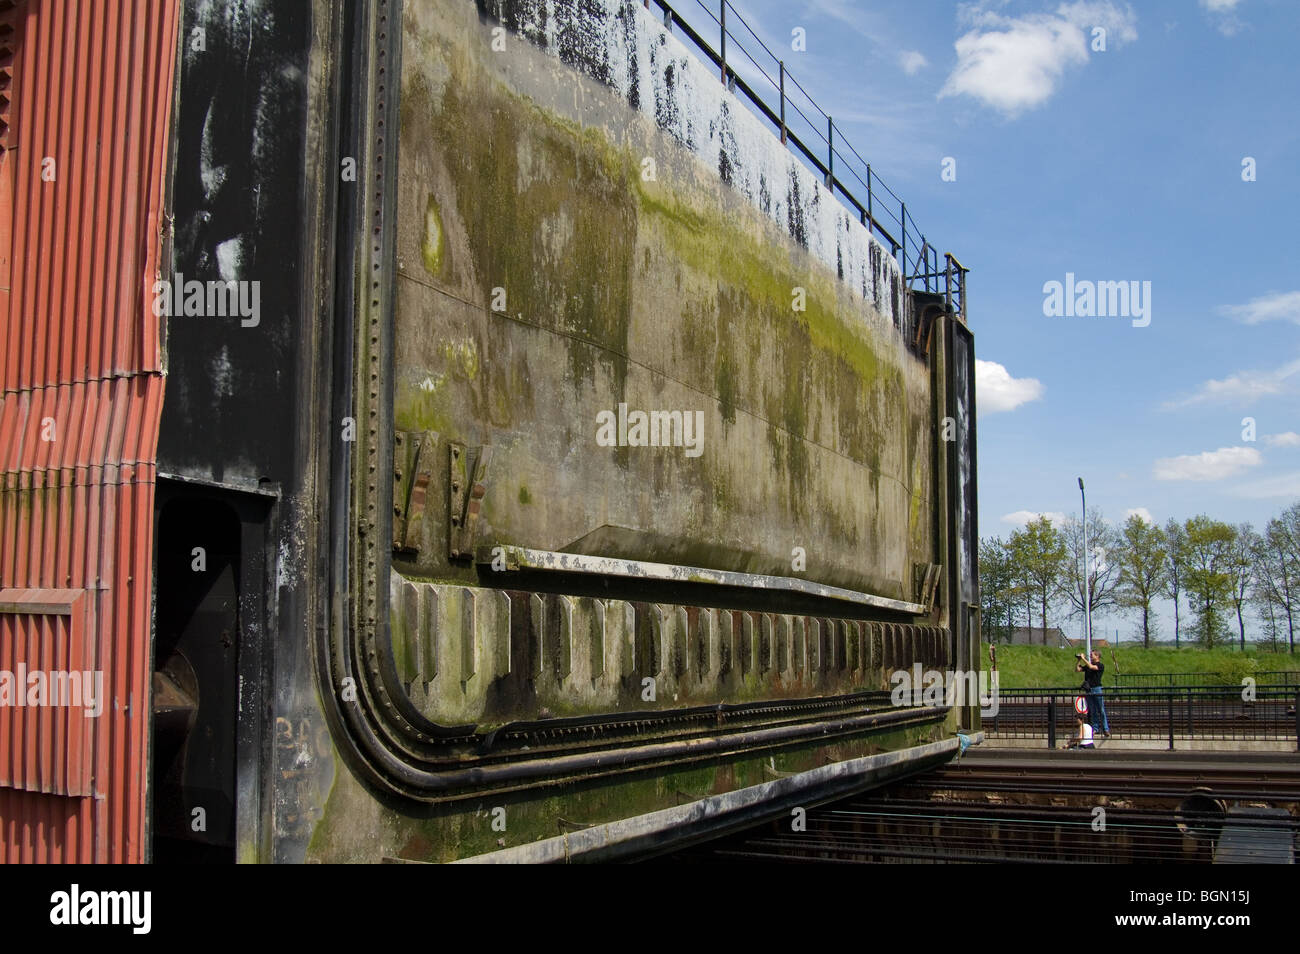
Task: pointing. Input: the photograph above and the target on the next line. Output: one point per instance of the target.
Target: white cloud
(1280, 306)
(996, 390)
(1282, 485)
(1142, 512)
(1022, 517)
(1243, 387)
(912, 62)
(1286, 439)
(1015, 63)
(1223, 14)
(1210, 465)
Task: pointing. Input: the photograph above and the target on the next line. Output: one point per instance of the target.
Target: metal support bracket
(925, 577)
(412, 474)
(466, 486)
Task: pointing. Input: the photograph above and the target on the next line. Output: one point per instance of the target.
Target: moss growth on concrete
(546, 206)
(431, 247)
(826, 348)
(461, 830)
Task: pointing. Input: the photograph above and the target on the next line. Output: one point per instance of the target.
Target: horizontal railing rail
(1207, 713)
(1264, 677)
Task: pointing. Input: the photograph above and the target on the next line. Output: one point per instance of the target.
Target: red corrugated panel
(80, 400)
(45, 720)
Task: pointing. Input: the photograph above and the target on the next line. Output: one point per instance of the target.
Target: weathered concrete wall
(354, 827)
(522, 170)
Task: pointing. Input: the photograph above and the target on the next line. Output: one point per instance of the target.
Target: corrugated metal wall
(84, 161)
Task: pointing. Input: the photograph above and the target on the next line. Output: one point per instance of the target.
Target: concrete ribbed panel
(468, 654)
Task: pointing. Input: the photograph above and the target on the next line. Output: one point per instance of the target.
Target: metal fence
(1205, 713)
(810, 132)
(1273, 678)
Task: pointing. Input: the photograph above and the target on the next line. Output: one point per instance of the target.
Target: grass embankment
(1049, 667)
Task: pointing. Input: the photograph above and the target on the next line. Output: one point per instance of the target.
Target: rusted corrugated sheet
(80, 372)
(49, 692)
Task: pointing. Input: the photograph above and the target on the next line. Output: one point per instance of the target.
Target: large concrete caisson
(646, 496)
(586, 461)
(580, 242)
(565, 247)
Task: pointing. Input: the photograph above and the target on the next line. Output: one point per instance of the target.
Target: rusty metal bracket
(412, 472)
(925, 577)
(466, 486)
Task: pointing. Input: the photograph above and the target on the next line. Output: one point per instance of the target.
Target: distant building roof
(1037, 636)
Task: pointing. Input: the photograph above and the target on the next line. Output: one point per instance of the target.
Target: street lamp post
(1087, 587)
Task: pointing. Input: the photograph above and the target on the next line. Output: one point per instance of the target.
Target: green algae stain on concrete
(826, 345)
(431, 245)
(914, 509)
(549, 217)
(463, 357)
(421, 409)
(354, 828)
(524, 496)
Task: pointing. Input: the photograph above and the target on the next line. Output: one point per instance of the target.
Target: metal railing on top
(1272, 678)
(879, 208)
(1189, 713)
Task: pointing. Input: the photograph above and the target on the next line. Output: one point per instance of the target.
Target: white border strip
(525, 558)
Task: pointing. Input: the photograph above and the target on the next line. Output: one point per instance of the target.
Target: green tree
(1265, 597)
(1144, 565)
(999, 592)
(1103, 569)
(1175, 563)
(1039, 551)
(1208, 577)
(1241, 572)
(1277, 567)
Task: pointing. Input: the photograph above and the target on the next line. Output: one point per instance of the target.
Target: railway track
(1049, 808)
(1097, 774)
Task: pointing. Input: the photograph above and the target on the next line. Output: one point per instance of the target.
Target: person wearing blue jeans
(1092, 670)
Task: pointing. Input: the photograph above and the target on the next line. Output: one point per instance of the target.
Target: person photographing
(1092, 668)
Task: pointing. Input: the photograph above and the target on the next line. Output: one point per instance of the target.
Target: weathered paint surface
(253, 107)
(544, 278)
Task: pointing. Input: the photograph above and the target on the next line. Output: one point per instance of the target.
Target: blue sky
(1117, 165)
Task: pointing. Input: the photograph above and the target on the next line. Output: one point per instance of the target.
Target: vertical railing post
(1189, 712)
(870, 218)
(830, 154)
(947, 279)
(1051, 722)
(1170, 702)
(782, 102)
(1297, 720)
(902, 224)
(724, 41)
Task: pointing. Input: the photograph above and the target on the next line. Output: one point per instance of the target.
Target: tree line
(1221, 572)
